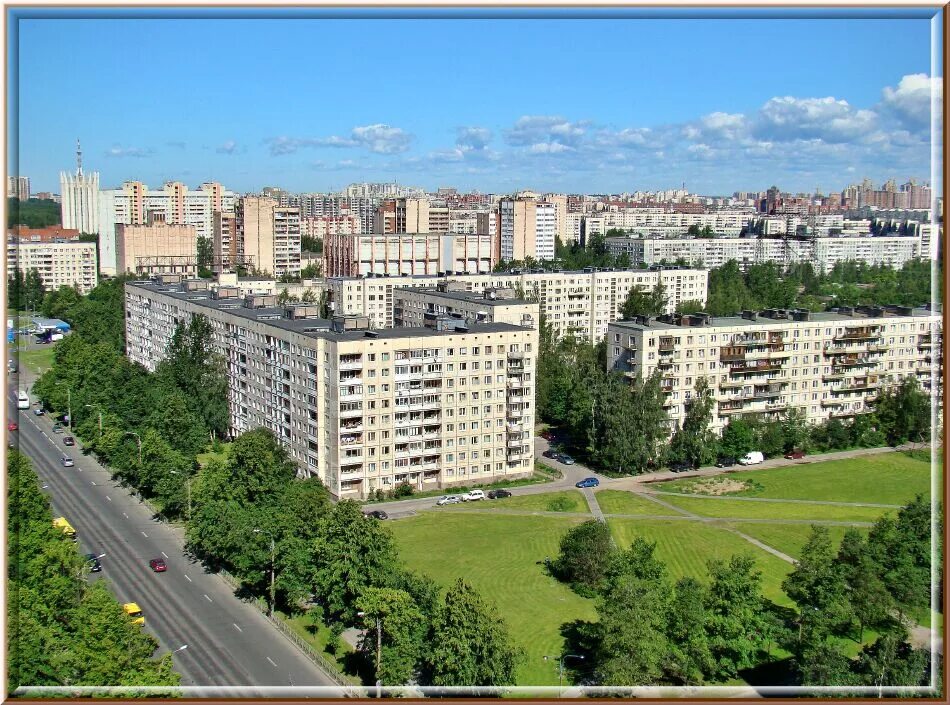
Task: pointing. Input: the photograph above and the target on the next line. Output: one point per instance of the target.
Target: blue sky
(495, 104)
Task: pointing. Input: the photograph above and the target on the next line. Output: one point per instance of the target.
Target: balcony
(351, 413)
(515, 413)
(516, 356)
(516, 384)
(732, 384)
(350, 363)
(755, 369)
(832, 402)
(833, 377)
(518, 443)
(514, 370)
(515, 428)
(857, 334)
(925, 341)
(853, 361)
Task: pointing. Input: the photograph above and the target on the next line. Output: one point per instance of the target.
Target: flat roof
(467, 296)
(820, 317)
(312, 327)
(520, 272)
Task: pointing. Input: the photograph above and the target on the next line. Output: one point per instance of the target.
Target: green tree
(33, 213)
(205, 258)
(640, 302)
(350, 554)
(735, 612)
(401, 630)
(469, 644)
(904, 413)
(695, 443)
(891, 662)
(871, 603)
(823, 664)
(738, 438)
(585, 554)
(795, 430)
(690, 659)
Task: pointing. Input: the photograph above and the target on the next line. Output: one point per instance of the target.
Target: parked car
(378, 514)
(680, 467)
(448, 499)
(67, 461)
(473, 496)
(158, 565)
(12, 426)
(69, 441)
(752, 458)
(38, 411)
(498, 494)
(588, 482)
(547, 435)
(726, 462)
(566, 459)
(92, 560)
(795, 455)
(552, 454)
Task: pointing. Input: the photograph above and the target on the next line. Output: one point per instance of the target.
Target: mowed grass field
(623, 502)
(502, 556)
(38, 360)
(736, 508)
(790, 538)
(882, 478)
(686, 547)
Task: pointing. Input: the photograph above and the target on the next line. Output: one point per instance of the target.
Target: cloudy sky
(578, 105)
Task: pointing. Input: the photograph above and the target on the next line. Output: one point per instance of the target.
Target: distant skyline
(577, 105)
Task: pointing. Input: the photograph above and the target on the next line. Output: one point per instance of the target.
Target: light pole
(180, 648)
(99, 409)
(379, 648)
(187, 490)
(560, 668)
(137, 438)
(272, 558)
(69, 404)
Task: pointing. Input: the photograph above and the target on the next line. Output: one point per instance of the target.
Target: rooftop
(314, 327)
(467, 296)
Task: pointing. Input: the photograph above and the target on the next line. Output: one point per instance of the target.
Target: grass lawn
(714, 507)
(884, 478)
(790, 538)
(685, 546)
(37, 361)
(205, 458)
(317, 635)
(567, 501)
(620, 502)
(499, 555)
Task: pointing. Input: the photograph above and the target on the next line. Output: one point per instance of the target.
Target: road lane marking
(144, 534)
(208, 599)
(164, 554)
(93, 483)
(109, 498)
(188, 579)
(272, 663)
(236, 627)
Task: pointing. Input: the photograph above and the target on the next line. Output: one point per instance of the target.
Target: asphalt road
(232, 650)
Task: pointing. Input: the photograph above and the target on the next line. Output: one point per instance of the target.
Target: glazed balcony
(858, 334)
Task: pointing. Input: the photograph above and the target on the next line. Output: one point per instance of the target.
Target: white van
(473, 496)
(753, 458)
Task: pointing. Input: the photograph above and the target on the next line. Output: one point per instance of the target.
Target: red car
(157, 565)
(12, 426)
(69, 441)
(795, 455)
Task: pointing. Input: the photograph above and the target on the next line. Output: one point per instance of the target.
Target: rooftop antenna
(78, 158)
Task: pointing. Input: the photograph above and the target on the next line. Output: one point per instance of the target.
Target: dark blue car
(588, 482)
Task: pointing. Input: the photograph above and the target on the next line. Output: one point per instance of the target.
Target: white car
(67, 461)
(448, 499)
(473, 496)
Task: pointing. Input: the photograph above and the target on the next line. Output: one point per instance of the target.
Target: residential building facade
(156, 248)
(828, 365)
(268, 235)
(361, 410)
(407, 254)
(417, 307)
(59, 262)
(527, 228)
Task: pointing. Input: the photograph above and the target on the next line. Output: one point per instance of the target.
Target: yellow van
(135, 612)
(64, 526)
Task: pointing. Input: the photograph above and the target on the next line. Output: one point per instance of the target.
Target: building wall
(767, 366)
(409, 253)
(527, 229)
(421, 307)
(434, 409)
(59, 263)
(18, 187)
(268, 235)
(80, 194)
(156, 249)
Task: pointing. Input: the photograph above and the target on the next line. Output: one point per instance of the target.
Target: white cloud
(138, 152)
(473, 138)
(228, 147)
(531, 130)
(787, 118)
(382, 139)
(548, 148)
(911, 100)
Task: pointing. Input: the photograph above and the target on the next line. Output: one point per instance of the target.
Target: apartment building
(579, 303)
(407, 254)
(268, 235)
(403, 215)
(18, 187)
(79, 195)
(156, 248)
(224, 241)
(527, 228)
(323, 225)
(721, 222)
(416, 307)
(829, 365)
(59, 262)
(359, 409)
(132, 203)
(822, 252)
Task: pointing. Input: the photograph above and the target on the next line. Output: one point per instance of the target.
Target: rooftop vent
(260, 301)
(302, 311)
(227, 292)
(195, 285)
(748, 315)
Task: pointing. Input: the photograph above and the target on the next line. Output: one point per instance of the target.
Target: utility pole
(138, 438)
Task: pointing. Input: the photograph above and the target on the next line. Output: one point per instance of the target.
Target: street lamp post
(187, 490)
(69, 404)
(99, 409)
(137, 438)
(379, 648)
(272, 559)
(560, 669)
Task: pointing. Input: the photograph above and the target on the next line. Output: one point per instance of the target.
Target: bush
(403, 490)
(585, 554)
(561, 504)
